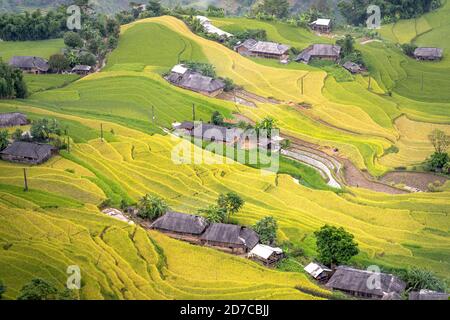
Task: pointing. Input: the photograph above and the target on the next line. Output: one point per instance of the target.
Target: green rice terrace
(58, 223)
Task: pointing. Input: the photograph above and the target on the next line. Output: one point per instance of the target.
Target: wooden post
(193, 112)
(25, 181)
(302, 86)
(101, 131)
(68, 144)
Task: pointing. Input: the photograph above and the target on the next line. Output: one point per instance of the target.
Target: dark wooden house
(209, 132)
(28, 152)
(428, 53)
(229, 237)
(319, 51)
(321, 25)
(28, 64)
(263, 49)
(181, 226)
(82, 69)
(352, 67)
(13, 119)
(365, 284)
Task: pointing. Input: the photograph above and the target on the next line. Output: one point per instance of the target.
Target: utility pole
(68, 144)
(193, 112)
(153, 115)
(25, 181)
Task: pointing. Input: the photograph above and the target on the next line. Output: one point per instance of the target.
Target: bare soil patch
(418, 180)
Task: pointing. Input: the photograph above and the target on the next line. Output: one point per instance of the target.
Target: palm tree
(151, 207)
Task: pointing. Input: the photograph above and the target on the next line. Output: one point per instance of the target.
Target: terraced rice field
(58, 224)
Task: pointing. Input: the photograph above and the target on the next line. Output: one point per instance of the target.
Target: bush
(58, 63)
(214, 214)
(408, 49)
(39, 289)
(417, 279)
(150, 207)
(88, 59)
(437, 161)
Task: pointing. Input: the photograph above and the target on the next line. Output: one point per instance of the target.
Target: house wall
(228, 247)
(321, 28)
(191, 238)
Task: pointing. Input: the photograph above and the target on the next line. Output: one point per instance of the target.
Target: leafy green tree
(73, 40)
(437, 161)
(267, 124)
(58, 63)
(151, 207)
(231, 203)
(38, 289)
(88, 59)
(347, 44)
(42, 129)
(3, 139)
(408, 49)
(12, 83)
(266, 228)
(217, 118)
(335, 246)
(275, 8)
(213, 214)
(17, 134)
(418, 279)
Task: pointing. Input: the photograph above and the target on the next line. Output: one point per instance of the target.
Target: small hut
(428, 295)
(229, 237)
(181, 226)
(82, 69)
(13, 119)
(266, 254)
(318, 271)
(428, 53)
(209, 132)
(28, 152)
(321, 25)
(352, 67)
(366, 284)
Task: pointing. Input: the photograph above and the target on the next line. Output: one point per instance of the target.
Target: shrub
(150, 207)
(214, 214)
(73, 40)
(408, 49)
(418, 279)
(58, 62)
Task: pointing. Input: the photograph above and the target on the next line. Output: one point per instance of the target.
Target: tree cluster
(12, 83)
(227, 205)
(151, 207)
(439, 161)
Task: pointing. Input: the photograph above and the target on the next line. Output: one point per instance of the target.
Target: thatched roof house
(319, 51)
(358, 283)
(428, 295)
(13, 119)
(264, 49)
(229, 236)
(30, 64)
(180, 223)
(28, 152)
(195, 81)
(209, 132)
(428, 53)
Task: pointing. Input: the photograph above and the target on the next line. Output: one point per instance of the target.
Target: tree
(3, 139)
(408, 49)
(266, 228)
(267, 124)
(58, 63)
(347, 44)
(417, 279)
(437, 161)
(12, 84)
(88, 59)
(217, 118)
(17, 135)
(274, 8)
(73, 40)
(38, 289)
(213, 214)
(2, 289)
(231, 203)
(151, 207)
(155, 8)
(439, 140)
(335, 245)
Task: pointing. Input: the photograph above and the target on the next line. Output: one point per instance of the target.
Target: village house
(266, 254)
(28, 152)
(427, 295)
(321, 25)
(428, 53)
(185, 78)
(230, 237)
(318, 271)
(352, 67)
(208, 132)
(82, 70)
(359, 283)
(13, 119)
(319, 51)
(263, 49)
(211, 29)
(29, 64)
(181, 226)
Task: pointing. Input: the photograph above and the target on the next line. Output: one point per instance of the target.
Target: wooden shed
(229, 237)
(266, 254)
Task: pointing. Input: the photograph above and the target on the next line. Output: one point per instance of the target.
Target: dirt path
(417, 180)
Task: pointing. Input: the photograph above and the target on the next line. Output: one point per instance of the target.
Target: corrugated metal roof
(264, 251)
(316, 269)
(322, 22)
